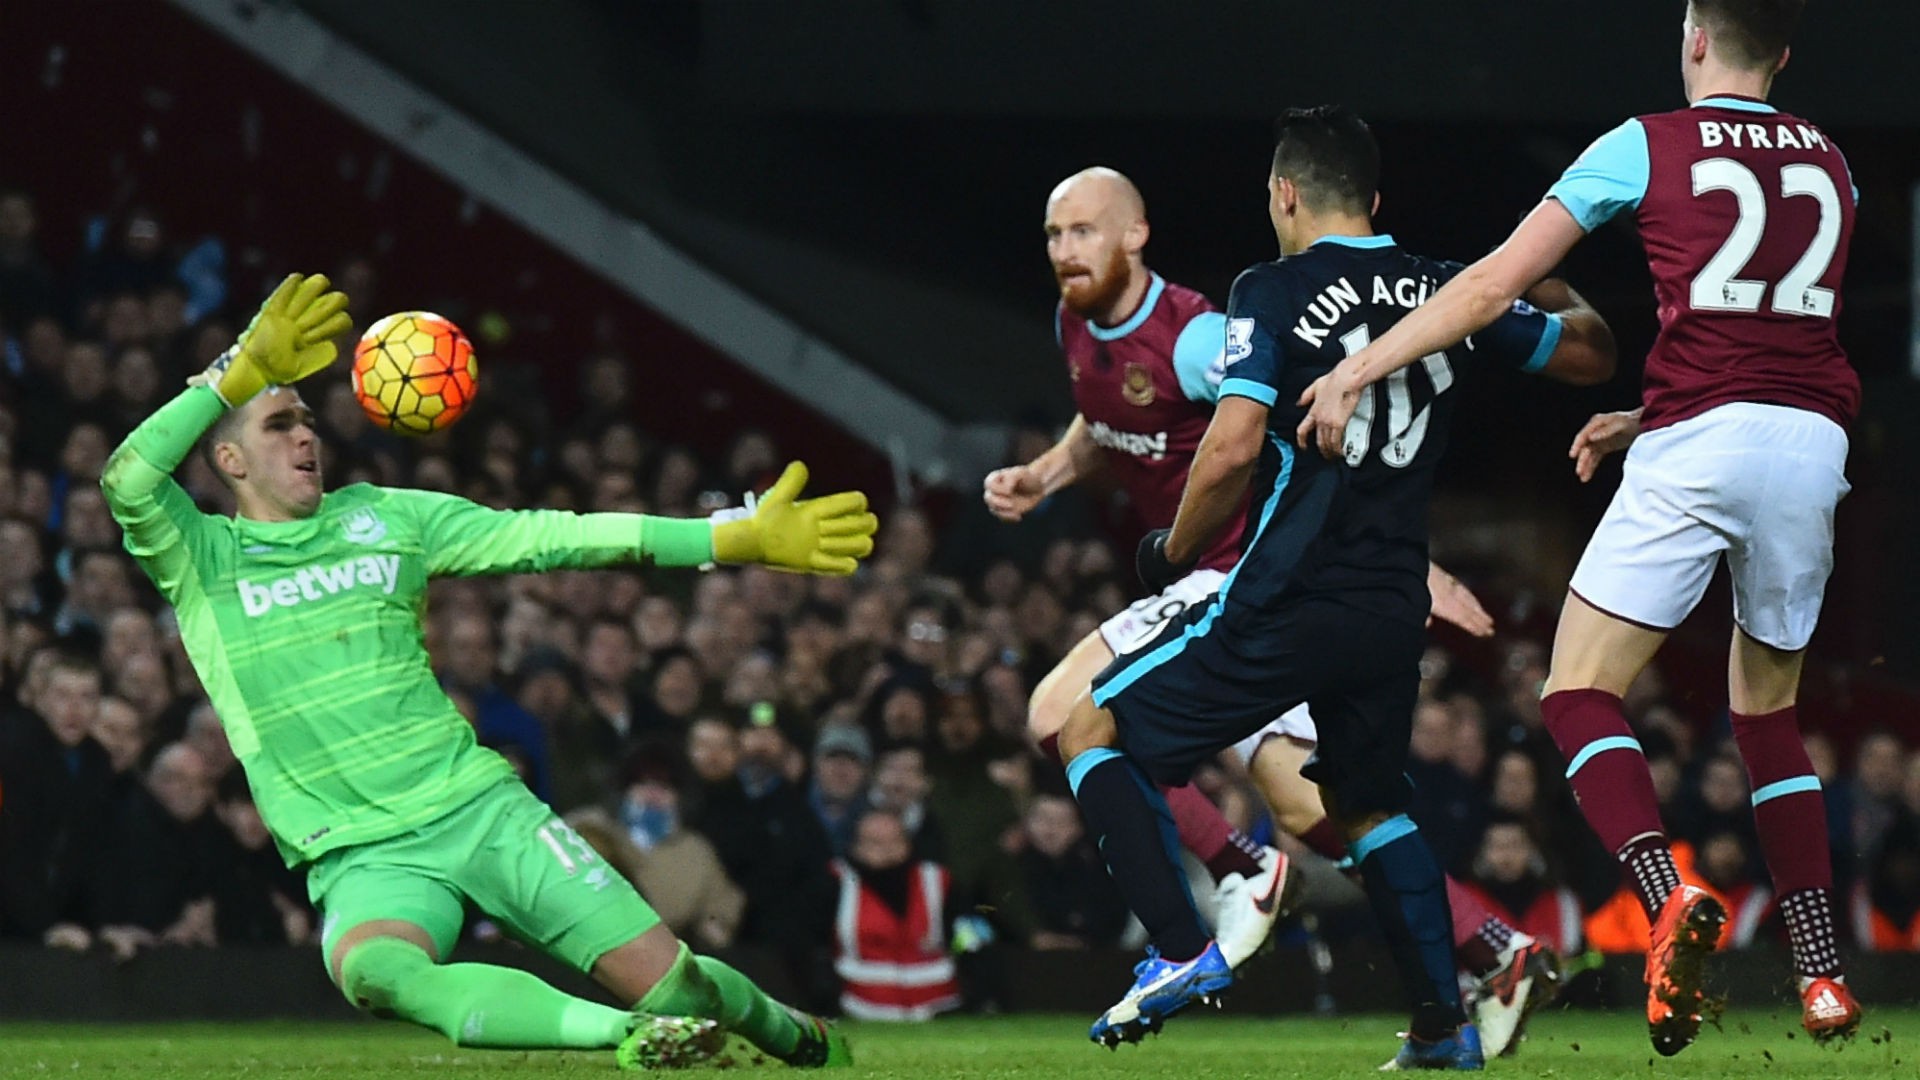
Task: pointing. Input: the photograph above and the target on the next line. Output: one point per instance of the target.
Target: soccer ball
(414, 373)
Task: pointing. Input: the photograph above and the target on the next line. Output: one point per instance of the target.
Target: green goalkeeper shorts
(506, 853)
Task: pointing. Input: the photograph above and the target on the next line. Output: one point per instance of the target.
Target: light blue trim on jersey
(1600, 746)
(1154, 289)
(1611, 176)
(1249, 388)
(1737, 104)
(1397, 827)
(1791, 786)
(1200, 356)
(1140, 666)
(1084, 762)
(1381, 241)
(1058, 338)
(1549, 340)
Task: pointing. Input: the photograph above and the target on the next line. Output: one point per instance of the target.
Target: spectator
(27, 287)
(901, 787)
(99, 586)
(118, 729)
(257, 900)
(1875, 791)
(1511, 876)
(892, 931)
(1886, 900)
(1724, 863)
(164, 858)
(468, 664)
(56, 820)
(208, 737)
(1068, 889)
(608, 659)
(1447, 806)
(976, 814)
(676, 868)
(585, 749)
(842, 756)
(674, 694)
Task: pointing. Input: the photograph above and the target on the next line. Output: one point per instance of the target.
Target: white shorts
(1757, 483)
(1295, 722)
(1141, 619)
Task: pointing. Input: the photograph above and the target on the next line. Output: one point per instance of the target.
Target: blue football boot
(1160, 989)
(1460, 1050)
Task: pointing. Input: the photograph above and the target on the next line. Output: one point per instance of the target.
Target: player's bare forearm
(1222, 468)
(1074, 458)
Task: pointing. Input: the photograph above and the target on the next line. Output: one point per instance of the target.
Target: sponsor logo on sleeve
(1239, 340)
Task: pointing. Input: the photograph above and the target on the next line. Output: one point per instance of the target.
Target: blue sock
(1409, 895)
(1130, 822)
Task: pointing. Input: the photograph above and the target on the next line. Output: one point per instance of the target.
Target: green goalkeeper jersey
(307, 634)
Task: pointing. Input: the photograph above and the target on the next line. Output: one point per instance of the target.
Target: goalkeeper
(302, 617)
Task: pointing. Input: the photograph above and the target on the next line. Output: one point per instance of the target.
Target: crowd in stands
(802, 765)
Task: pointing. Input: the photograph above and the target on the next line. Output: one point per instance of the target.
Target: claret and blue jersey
(1746, 214)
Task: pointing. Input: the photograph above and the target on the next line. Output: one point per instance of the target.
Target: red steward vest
(893, 966)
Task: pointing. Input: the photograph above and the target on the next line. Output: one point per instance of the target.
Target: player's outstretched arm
(288, 339)
(1011, 493)
(1476, 297)
(826, 535)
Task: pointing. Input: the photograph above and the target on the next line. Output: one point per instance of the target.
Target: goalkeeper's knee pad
(374, 975)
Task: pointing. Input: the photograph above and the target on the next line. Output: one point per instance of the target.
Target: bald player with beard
(1146, 357)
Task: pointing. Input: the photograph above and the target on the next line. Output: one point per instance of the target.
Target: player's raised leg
(1134, 831)
(1596, 656)
(1791, 815)
(1244, 872)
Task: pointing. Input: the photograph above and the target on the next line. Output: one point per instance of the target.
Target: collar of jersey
(1380, 241)
(1734, 102)
(1154, 288)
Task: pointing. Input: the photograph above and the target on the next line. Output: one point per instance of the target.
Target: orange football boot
(1685, 934)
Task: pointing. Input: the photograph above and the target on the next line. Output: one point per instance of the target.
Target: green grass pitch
(1563, 1046)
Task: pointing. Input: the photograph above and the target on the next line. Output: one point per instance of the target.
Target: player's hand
(1329, 402)
(1605, 434)
(290, 339)
(1454, 603)
(1013, 492)
(1151, 563)
(827, 535)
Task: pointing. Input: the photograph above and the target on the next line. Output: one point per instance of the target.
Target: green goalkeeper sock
(703, 986)
(476, 1004)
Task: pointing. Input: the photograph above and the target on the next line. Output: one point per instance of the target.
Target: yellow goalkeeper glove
(290, 339)
(827, 535)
